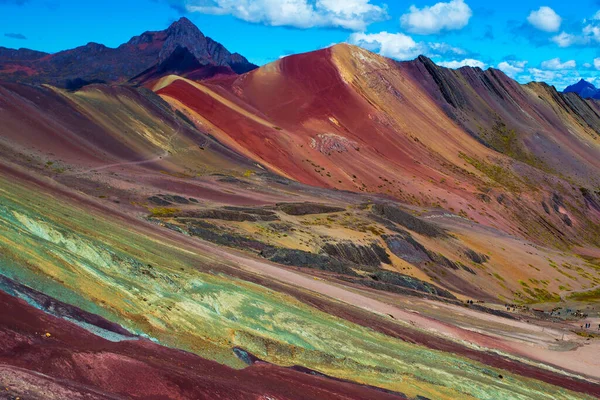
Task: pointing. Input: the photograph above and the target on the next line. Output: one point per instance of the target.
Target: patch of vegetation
(164, 211)
(586, 334)
(591, 295)
(496, 173)
(541, 295)
(506, 141)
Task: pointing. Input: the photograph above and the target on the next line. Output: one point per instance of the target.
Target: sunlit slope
(345, 118)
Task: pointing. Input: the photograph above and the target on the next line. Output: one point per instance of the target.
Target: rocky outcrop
(300, 258)
(228, 214)
(372, 255)
(166, 200)
(395, 282)
(398, 216)
(477, 258)
(408, 249)
(299, 209)
(366, 272)
(215, 234)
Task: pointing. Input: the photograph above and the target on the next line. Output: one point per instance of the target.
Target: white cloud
(592, 31)
(545, 19)
(394, 45)
(347, 14)
(512, 68)
(541, 75)
(587, 65)
(565, 39)
(443, 49)
(469, 62)
(556, 64)
(402, 47)
(597, 63)
(589, 34)
(439, 17)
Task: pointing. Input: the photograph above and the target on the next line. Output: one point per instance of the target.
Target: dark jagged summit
(585, 89)
(98, 63)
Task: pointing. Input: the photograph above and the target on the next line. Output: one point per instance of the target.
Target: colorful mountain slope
(93, 367)
(531, 123)
(316, 226)
(347, 119)
(183, 294)
(95, 63)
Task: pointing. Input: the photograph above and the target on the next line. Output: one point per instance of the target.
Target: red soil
(301, 100)
(76, 356)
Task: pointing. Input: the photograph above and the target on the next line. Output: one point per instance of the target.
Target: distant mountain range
(141, 57)
(585, 89)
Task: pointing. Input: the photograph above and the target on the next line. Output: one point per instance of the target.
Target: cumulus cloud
(353, 15)
(545, 19)
(394, 45)
(541, 75)
(588, 36)
(468, 62)
(565, 39)
(401, 46)
(556, 64)
(449, 16)
(592, 32)
(442, 49)
(512, 68)
(597, 63)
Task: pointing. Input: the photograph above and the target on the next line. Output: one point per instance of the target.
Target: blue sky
(544, 40)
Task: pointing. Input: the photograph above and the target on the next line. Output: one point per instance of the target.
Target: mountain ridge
(585, 89)
(96, 62)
